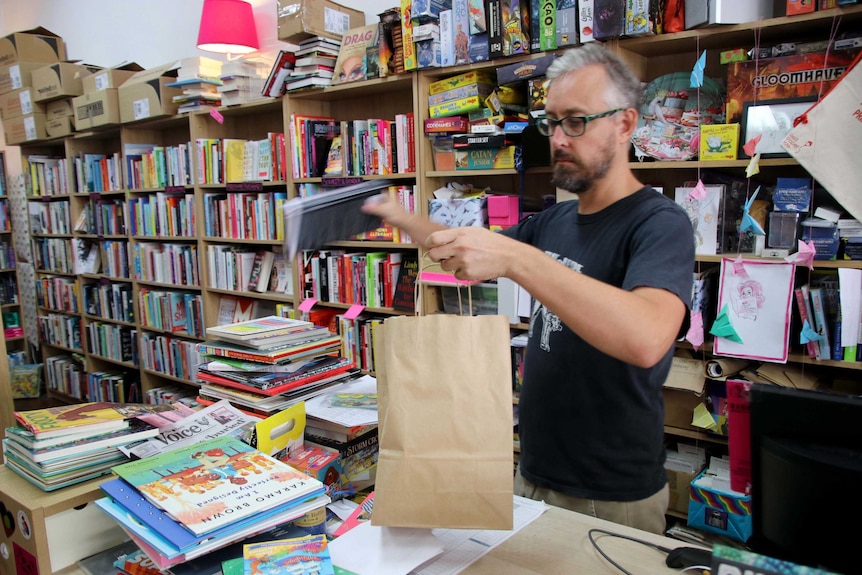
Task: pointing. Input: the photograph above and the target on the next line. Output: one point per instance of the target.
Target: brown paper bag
(444, 386)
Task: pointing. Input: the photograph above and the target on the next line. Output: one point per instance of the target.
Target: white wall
(149, 32)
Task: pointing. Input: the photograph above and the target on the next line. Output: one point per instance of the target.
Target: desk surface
(557, 542)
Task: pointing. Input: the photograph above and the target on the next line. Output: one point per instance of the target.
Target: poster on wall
(754, 307)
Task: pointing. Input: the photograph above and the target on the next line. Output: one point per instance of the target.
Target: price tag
(353, 311)
(307, 304)
(217, 116)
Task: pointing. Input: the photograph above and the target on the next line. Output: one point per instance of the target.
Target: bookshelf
(188, 215)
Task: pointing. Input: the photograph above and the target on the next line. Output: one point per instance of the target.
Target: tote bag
(444, 385)
(827, 138)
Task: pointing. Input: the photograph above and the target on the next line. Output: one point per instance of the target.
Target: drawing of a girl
(748, 299)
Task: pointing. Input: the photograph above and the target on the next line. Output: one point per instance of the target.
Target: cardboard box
(17, 75)
(59, 127)
(459, 212)
(794, 7)
(60, 80)
(718, 511)
(679, 483)
(503, 210)
(32, 518)
(19, 102)
(524, 70)
(107, 78)
(502, 159)
(24, 128)
(95, 109)
(301, 19)
(683, 391)
(147, 95)
(34, 45)
(323, 465)
(59, 108)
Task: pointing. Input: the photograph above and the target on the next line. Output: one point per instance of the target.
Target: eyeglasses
(573, 126)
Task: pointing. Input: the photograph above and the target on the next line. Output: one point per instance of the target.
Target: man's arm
(637, 326)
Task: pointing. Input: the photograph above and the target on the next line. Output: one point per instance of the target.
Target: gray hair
(625, 88)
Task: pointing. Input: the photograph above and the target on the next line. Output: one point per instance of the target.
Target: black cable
(665, 550)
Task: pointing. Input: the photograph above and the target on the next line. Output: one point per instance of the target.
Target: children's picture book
(361, 514)
(216, 482)
(80, 417)
(281, 354)
(704, 215)
(309, 554)
(269, 326)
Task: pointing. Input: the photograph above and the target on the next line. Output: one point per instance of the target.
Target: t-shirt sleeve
(663, 254)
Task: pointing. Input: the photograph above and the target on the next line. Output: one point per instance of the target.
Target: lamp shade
(227, 26)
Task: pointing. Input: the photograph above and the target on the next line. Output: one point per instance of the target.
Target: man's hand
(387, 208)
(472, 253)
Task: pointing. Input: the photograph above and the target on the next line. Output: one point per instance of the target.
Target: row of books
(45, 218)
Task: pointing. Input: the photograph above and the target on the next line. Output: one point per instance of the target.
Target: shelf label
(216, 115)
(307, 304)
(244, 187)
(339, 181)
(175, 189)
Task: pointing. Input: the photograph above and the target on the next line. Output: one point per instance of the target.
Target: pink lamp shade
(227, 26)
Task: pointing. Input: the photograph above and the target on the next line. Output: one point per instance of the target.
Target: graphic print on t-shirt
(550, 321)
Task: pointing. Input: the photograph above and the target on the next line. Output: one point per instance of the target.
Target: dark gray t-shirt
(592, 426)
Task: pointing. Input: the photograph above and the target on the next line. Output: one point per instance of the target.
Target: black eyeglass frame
(547, 126)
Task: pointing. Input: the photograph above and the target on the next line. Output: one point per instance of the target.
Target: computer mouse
(683, 557)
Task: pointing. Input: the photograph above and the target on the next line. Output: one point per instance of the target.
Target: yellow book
(719, 141)
(234, 155)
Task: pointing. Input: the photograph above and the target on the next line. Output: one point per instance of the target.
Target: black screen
(806, 465)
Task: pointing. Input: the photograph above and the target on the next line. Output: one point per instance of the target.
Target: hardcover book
(217, 482)
(258, 328)
(81, 417)
(281, 354)
(308, 554)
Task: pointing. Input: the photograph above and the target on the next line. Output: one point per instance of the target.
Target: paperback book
(308, 554)
(137, 431)
(269, 326)
(83, 417)
(216, 482)
(277, 355)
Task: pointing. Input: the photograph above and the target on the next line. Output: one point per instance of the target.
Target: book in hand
(314, 221)
(269, 326)
(216, 482)
(83, 417)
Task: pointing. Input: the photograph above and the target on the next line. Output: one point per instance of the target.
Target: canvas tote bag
(444, 385)
(827, 138)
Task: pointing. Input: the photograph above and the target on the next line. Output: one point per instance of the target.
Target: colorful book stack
(266, 364)
(315, 63)
(60, 446)
(187, 502)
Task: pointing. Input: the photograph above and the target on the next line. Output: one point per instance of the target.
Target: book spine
(820, 323)
(803, 307)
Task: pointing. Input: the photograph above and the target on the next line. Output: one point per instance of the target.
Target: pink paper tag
(217, 115)
(306, 305)
(354, 311)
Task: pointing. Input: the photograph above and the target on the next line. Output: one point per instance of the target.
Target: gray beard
(583, 178)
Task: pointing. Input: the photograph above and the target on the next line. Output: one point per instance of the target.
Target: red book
(326, 376)
(739, 434)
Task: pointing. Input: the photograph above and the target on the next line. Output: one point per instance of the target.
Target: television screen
(806, 465)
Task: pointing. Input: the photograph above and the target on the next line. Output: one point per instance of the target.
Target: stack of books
(187, 502)
(60, 446)
(198, 77)
(267, 364)
(315, 63)
(243, 80)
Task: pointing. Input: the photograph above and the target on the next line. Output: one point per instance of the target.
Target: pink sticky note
(354, 311)
(695, 332)
(307, 304)
(217, 115)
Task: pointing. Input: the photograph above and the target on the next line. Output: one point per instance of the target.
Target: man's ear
(628, 123)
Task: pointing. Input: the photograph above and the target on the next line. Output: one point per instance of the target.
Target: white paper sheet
(850, 289)
(370, 550)
(347, 416)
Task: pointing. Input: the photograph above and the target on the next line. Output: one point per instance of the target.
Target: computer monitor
(806, 476)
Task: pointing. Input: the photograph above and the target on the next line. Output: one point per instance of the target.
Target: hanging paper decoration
(722, 327)
(694, 335)
(751, 145)
(748, 222)
(807, 334)
(753, 167)
(804, 255)
(698, 192)
(697, 71)
(739, 267)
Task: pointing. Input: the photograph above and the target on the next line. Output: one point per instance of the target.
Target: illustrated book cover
(217, 482)
(308, 554)
(257, 328)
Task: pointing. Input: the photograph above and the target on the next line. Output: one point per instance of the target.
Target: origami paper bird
(808, 334)
(698, 192)
(697, 71)
(739, 267)
(722, 327)
(804, 255)
(751, 145)
(748, 222)
(694, 335)
(753, 167)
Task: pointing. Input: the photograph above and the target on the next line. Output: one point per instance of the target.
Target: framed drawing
(754, 307)
(772, 120)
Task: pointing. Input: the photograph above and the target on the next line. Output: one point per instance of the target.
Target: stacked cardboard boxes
(21, 54)
(99, 104)
(54, 86)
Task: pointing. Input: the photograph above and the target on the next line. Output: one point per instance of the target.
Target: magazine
(216, 482)
(219, 419)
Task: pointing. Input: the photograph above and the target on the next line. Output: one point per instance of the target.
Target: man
(610, 276)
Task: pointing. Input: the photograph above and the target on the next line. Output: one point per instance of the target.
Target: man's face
(579, 162)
